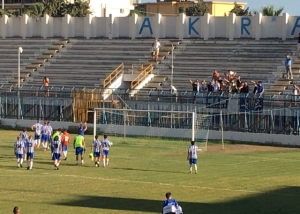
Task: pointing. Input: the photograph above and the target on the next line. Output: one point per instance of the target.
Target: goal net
(131, 124)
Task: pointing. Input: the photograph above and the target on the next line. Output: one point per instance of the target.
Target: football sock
(196, 167)
(31, 164)
(107, 161)
(18, 160)
(191, 167)
(21, 161)
(103, 162)
(25, 156)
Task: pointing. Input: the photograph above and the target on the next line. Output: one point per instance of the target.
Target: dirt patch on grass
(241, 148)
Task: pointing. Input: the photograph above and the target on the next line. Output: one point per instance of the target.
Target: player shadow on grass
(148, 170)
(284, 200)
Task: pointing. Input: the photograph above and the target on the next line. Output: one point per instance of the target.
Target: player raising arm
(96, 150)
(37, 128)
(19, 150)
(192, 156)
(79, 146)
(57, 150)
(106, 144)
(30, 152)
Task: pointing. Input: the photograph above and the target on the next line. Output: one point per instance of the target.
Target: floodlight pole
(2, 4)
(172, 67)
(20, 50)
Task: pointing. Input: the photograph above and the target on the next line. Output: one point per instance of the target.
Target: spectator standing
(210, 87)
(203, 86)
(174, 92)
(295, 90)
(152, 50)
(46, 82)
(288, 67)
(196, 86)
(238, 82)
(255, 87)
(156, 48)
(260, 88)
(216, 86)
(245, 88)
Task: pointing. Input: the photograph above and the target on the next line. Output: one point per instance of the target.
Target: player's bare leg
(82, 161)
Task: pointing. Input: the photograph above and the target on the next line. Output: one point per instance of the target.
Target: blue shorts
(55, 156)
(79, 151)
(193, 161)
(105, 152)
(19, 155)
(45, 138)
(30, 155)
(37, 137)
(65, 148)
(96, 154)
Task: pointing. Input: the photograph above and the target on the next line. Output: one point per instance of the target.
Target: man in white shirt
(216, 86)
(192, 155)
(156, 47)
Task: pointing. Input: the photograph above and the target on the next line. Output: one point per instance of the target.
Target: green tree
(198, 9)
(59, 8)
(135, 11)
(239, 11)
(271, 11)
(9, 13)
(36, 10)
(79, 8)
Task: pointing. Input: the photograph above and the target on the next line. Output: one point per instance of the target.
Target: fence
(278, 114)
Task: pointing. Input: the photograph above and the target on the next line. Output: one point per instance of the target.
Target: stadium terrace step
(55, 47)
(51, 52)
(33, 66)
(29, 70)
(40, 61)
(45, 56)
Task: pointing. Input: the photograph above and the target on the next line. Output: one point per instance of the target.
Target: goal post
(145, 123)
(173, 125)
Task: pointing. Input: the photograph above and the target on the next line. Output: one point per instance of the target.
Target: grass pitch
(241, 179)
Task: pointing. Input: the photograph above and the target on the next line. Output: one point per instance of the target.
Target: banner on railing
(217, 101)
(251, 104)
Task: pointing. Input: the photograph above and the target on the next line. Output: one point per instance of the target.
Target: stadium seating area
(86, 63)
(253, 60)
(35, 52)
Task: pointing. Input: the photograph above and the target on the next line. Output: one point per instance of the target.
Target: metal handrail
(142, 76)
(113, 75)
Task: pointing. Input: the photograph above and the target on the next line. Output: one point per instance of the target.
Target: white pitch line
(167, 184)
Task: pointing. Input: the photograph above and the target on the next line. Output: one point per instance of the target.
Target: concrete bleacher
(86, 63)
(35, 53)
(253, 60)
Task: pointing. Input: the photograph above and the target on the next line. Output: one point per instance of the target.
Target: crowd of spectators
(230, 82)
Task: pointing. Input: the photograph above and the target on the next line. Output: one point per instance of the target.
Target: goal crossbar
(173, 113)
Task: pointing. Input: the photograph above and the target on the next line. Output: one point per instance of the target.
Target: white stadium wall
(204, 27)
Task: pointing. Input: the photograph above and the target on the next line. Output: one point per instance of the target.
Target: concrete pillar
(158, 27)
(110, 27)
(45, 31)
(285, 23)
(24, 26)
(3, 26)
(230, 28)
(88, 26)
(205, 26)
(133, 26)
(258, 26)
(66, 23)
(180, 30)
